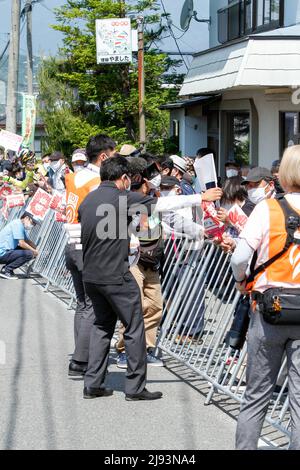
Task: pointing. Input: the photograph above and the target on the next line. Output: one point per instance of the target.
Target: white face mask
(155, 182)
(257, 195)
(28, 226)
(77, 168)
(55, 165)
(128, 188)
(231, 173)
(46, 166)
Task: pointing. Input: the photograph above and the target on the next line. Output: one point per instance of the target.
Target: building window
(242, 17)
(290, 129)
(238, 137)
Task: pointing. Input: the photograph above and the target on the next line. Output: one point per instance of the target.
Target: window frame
(255, 28)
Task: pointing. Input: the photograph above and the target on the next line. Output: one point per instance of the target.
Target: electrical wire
(173, 35)
(22, 18)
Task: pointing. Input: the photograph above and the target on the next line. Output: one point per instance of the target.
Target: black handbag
(280, 306)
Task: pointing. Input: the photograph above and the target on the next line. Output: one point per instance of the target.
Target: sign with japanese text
(237, 217)
(113, 40)
(39, 204)
(10, 141)
(57, 202)
(15, 200)
(28, 119)
(213, 228)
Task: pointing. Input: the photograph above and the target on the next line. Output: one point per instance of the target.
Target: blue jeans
(14, 259)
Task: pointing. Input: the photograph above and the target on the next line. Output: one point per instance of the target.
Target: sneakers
(122, 361)
(8, 275)
(144, 395)
(153, 360)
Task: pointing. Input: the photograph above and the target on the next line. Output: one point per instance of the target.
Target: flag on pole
(28, 120)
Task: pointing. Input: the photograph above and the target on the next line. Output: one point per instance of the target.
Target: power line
(22, 18)
(172, 34)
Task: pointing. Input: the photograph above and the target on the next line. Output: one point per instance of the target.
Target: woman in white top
(265, 234)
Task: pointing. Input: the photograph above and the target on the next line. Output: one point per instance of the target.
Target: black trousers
(14, 259)
(110, 303)
(84, 315)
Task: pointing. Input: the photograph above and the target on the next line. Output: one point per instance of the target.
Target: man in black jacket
(105, 216)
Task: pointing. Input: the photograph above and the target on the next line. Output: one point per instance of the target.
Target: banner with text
(28, 120)
(113, 40)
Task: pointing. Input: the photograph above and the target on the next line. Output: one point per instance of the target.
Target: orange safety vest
(78, 186)
(286, 270)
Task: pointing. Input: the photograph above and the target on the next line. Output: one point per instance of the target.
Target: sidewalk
(41, 408)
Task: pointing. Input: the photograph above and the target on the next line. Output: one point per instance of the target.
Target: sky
(46, 41)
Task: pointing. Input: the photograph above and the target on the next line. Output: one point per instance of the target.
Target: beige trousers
(149, 284)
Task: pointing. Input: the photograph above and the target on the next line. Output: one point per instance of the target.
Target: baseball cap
(55, 156)
(169, 181)
(257, 174)
(79, 155)
(128, 150)
(179, 163)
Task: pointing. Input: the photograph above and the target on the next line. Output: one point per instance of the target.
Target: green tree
(80, 97)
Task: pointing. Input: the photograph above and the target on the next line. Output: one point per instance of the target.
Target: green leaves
(79, 97)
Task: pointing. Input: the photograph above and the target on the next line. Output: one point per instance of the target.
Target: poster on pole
(10, 141)
(113, 41)
(206, 172)
(28, 119)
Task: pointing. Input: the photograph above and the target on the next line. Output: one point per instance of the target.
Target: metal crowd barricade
(199, 304)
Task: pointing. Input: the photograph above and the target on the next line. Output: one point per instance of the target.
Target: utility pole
(28, 10)
(141, 74)
(13, 68)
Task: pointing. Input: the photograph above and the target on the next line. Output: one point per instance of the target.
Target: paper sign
(237, 217)
(213, 228)
(206, 172)
(5, 191)
(39, 204)
(60, 217)
(56, 203)
(15, 200)
(10, 141)
(113, 40)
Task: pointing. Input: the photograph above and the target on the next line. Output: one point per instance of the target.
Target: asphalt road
(41, 408)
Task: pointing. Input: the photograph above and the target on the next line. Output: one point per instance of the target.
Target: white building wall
(195, 135)
(268, 108)
(192, 131)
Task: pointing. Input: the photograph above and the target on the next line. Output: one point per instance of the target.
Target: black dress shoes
(97, 392)
(144, 395)
(77, 370)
